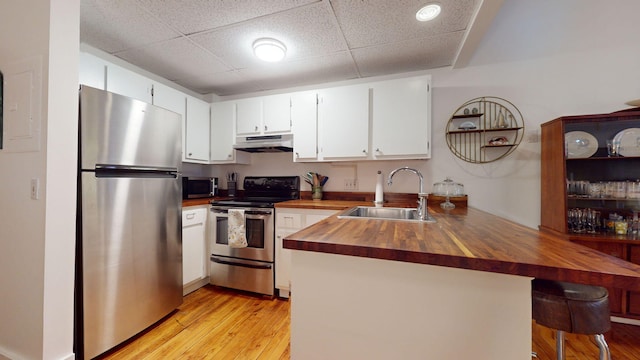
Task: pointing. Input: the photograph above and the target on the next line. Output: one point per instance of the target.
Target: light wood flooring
(215, 323)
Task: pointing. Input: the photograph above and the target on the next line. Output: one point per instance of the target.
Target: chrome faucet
(422, 196)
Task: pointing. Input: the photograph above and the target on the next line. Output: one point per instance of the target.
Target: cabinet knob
(229, 156)
(377, 150)
(256, 128)
(190, 154)
(364, 151)
(265, 128)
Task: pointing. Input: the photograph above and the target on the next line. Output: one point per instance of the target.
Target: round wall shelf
(484, 129)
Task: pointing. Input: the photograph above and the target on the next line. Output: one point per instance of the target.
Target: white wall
(550, 59)
(37, 236)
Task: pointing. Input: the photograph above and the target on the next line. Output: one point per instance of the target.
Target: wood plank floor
(215, 323)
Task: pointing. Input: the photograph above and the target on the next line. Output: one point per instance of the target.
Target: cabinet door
(634, 296)
(194, 250)
(616, 296)
(289, 221)
(197, 130)
(222, 120)
(174, 100)
(401, 118)
(276, 114)
(249, 116)
(283, 264)
(92, 71)
(128, 83)
(343, 117)
(304, 118)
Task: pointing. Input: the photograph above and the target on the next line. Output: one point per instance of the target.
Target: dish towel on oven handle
(236, 230)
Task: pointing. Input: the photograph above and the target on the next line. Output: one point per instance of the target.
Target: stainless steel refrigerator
(129, 245)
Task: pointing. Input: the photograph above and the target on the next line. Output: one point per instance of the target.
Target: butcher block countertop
(464, 238)
(321, 204)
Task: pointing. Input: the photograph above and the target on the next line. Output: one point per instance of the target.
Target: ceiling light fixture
(428, 12)
(270, 50)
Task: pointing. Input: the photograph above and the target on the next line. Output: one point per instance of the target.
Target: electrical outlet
(351, 184)
(35, 189)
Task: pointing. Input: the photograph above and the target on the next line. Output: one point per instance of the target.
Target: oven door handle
(233, 263)
(248, 212)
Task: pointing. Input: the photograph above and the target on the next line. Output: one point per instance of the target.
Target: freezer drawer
(248, 275)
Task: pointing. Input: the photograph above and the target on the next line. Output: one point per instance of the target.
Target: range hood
(266, 143)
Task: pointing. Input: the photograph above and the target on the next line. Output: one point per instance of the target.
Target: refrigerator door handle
(134, 171)
(233, 263)
(109, 167)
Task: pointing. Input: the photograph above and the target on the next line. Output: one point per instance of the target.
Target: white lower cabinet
(194, 248)
(288, 221)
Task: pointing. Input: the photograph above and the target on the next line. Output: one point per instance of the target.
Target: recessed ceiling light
(428, 12)
(270, 50)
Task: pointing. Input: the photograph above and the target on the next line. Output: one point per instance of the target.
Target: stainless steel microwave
(199, 187)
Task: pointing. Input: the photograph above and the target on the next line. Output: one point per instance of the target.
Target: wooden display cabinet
(564, 164)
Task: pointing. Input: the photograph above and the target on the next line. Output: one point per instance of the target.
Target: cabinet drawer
(192, 217)
(288, 220)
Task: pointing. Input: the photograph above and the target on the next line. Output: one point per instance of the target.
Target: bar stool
(573, 308)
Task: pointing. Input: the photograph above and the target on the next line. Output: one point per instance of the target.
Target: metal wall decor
(1, 107)
(484, 129)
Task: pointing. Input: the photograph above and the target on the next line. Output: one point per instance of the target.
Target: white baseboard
(194, 285)
(622, 320)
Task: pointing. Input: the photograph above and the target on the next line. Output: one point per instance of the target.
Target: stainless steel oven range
(249, 268)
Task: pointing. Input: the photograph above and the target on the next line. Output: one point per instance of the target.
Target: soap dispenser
(379, 199)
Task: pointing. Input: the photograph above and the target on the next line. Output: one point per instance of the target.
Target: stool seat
(574, 308)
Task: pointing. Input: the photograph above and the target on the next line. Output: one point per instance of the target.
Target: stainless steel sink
(386, 213)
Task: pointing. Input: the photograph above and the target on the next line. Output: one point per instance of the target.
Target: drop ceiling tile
(174, 59)
(374, 22)
(331, 68)
(335, 67)
(117, 25)
(191, 16)
(306, 32)
(411, 55)
(220, 83)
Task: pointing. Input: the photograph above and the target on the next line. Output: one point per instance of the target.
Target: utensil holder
(231, 188)
(316, 193)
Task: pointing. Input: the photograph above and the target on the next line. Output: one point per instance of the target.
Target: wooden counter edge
(627, 277)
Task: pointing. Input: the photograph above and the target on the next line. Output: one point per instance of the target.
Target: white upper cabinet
(276, 114)
(174, 100)
(263, 115)
(343, 118)
(401, 118)
(197, 130)
(222, 135)
(92, 71)
(304, 112)
(128, 83)
(249, 116)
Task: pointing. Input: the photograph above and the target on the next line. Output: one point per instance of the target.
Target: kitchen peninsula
(455, 289)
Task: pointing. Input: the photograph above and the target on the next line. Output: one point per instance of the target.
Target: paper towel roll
(379, 189)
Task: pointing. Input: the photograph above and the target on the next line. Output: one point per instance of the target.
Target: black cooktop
(265, 191)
